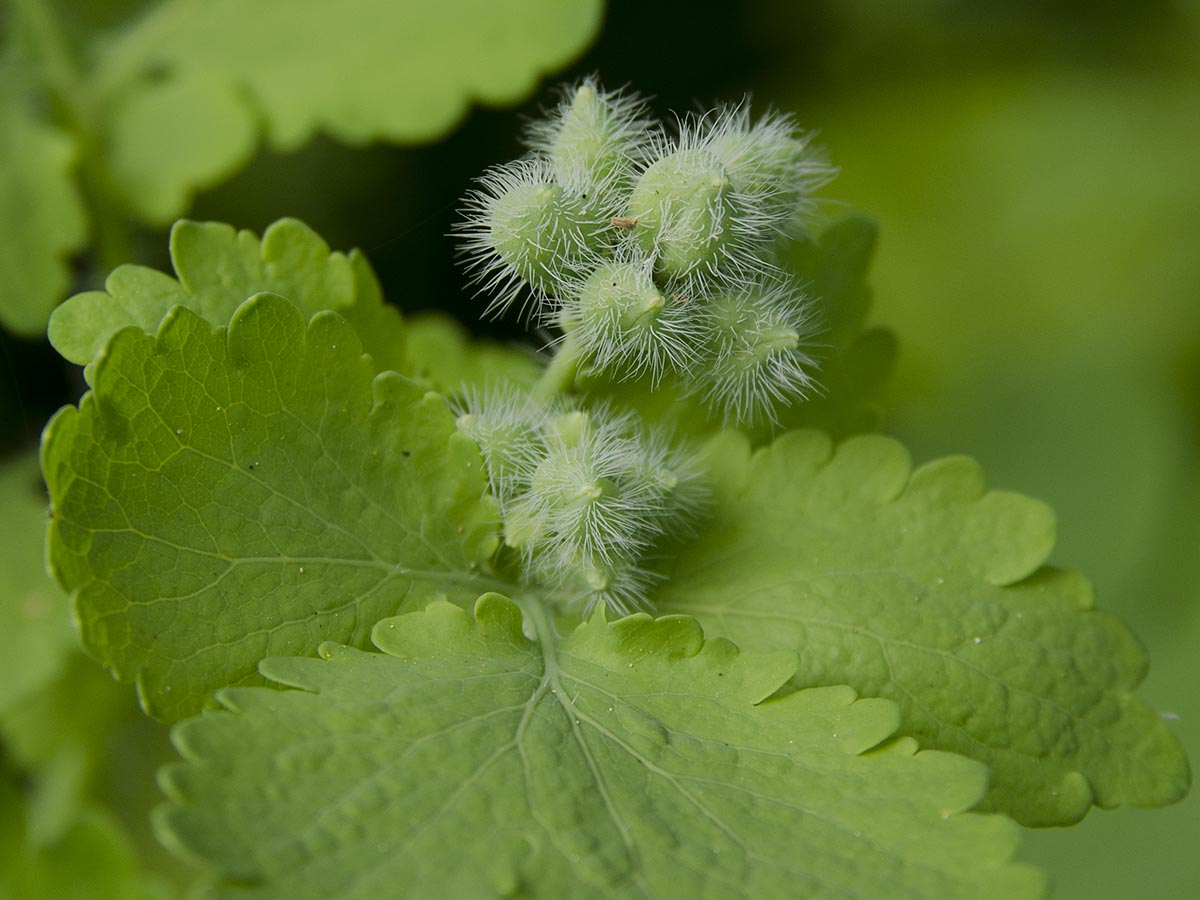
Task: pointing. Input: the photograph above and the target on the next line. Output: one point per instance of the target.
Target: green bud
(628, 326)
(686, 214)
(620, 582)
(756, 360)
(507, 445)
(543, 234)
(590, 137)
(583, 495)
(571, 430)
(525, 229)
(593, 131)
(566, 485)
(770, 162)
(524, 527)
(623, 295)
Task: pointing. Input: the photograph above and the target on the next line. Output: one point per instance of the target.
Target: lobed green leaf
(217, 268)
(856, 359)
(631, 759)
(925, 588)
(178, 94)
(224, 495)
(169, 138)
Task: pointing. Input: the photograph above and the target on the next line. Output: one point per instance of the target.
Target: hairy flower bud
(526, 228)
(601, 132)
(584, 495)
(769, 160)
(508, 429)
(757, 356)
(657, 255)
(689, 217)
(628, 326)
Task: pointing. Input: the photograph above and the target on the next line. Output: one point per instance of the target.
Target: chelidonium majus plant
(651, 253)
(655, 617)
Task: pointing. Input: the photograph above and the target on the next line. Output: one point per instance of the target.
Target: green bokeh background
(1035, 170)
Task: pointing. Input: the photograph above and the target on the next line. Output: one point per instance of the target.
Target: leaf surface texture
(224, 495)
(631, 760)
(926, 588)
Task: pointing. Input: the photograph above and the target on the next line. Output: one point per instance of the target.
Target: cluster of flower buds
(585, 498)
(657, 254)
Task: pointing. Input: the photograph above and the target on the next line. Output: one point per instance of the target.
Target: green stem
(544, 630)
(559, 377)
(114, 237)
(71, 96)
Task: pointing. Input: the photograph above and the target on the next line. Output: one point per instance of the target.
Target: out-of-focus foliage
(128, 111)
(33, 615)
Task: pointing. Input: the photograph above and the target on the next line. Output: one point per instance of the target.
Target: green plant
(399, 573)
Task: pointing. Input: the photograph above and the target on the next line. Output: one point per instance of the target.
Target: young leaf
(42, 220)
(224, 495)
(855, 360)
(217, 268)
(631, 759)
(924, 588)
(440, 352)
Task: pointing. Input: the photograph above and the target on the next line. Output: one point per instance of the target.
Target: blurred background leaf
(148, 102)
(33, 614)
